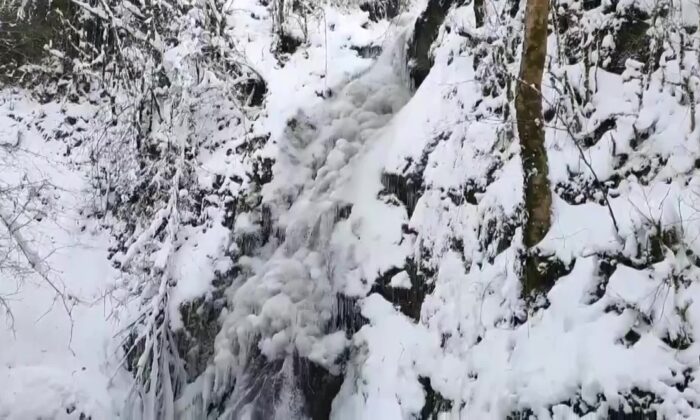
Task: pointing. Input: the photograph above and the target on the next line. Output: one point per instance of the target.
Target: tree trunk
(479, 13)
(528, 106)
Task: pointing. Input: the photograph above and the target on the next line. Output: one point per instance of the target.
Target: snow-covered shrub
(37, 47)
(167, 84)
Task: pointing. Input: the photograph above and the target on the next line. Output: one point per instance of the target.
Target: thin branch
(38, 265)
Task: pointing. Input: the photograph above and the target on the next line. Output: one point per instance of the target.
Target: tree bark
(479, 13)
(528, 106)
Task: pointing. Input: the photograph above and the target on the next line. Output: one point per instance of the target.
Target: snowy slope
(602, 341)
(58, 358)
(369, 266)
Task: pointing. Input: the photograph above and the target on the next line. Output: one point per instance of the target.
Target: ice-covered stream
(293, 301)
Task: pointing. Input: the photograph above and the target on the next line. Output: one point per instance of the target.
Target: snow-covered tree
(155, 71)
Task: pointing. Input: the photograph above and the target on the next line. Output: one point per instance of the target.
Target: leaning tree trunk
(528, 107)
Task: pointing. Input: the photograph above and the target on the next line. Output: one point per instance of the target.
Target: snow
(574, 347)
(337, 123)
(54, 364)
(11, 133)
(391, 346)
(197, 264)
(401, 280)
(288, 297)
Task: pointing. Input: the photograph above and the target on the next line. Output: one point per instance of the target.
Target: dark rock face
(479, 12)
(550, 269)
(496, 232)
(24, 40)
(592, 138)
(408, 301)
(348, 317)
(200, 319)
(296, 383)
(255, 91)
(591, 4)
(424, 34)
(632, 42)
(195, 342)
(267, 383)
(318, 386)
(367, 51)
(407, 189)
(434, 402)
(256, 393)
(526, 414)
(637, 405)
(285, 45)
(621, 415)
(381, 9)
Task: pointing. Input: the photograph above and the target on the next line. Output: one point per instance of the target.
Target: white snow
(337, 123)
(56, 364)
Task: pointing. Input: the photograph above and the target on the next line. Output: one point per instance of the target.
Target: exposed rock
(631, 42)
(24, 43)
(593, 137)
(286, 45)
(496, 232)
(367, 51)
(479, 13)
(525, 414)
(200, 320)
(549, 269)
(257, 391)
(348, 317)
(195, 341)
(262, 171)
(591, 4)
(381, 9)
(636, 405)
(435, 403)
(407, 189)
(424, 34)
(408, 300)
(318, 386)
(606, 268)
(254, 90)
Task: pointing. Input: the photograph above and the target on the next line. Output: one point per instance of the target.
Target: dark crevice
(548, 269)
(631, 42)
(367, 51)
(348, 317)
(597, 134)
(635, 405)
(195, 341)
(254, 90)
(408, 300)
(318, 386)
(258, 389)
(287, 44)
(381, 9)
(435, 403)
(606, 267)
(407, 189)
(424, 34)
(496, 231)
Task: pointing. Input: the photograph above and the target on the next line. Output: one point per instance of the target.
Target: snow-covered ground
(384, 249)
(58, 356)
